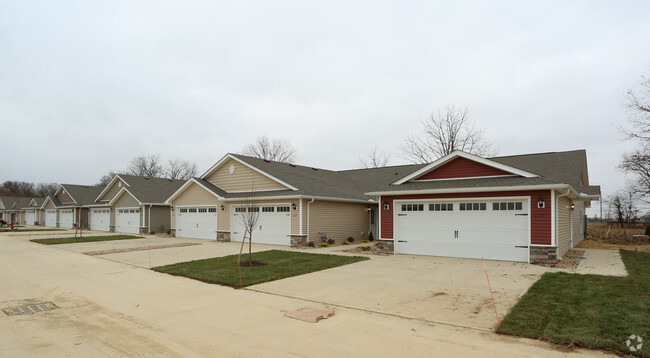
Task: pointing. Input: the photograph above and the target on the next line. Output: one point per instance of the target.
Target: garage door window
(203, 210)
(183, 210)
(412, 207)
(441, 207)
(472, 206)
(268, 209)
(240, 210)
(212, 210)
(283, 209)
(191, 210)
(517, 205)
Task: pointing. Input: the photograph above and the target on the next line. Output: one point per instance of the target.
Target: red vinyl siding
(540, 219)
(462, 168)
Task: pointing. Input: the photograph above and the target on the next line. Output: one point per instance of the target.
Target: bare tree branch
(446, 130)
(180, 169)
(375, 159)
(146, 165)
(278, 150)
(639, 112)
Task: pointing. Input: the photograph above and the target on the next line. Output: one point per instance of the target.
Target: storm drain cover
(29, 309)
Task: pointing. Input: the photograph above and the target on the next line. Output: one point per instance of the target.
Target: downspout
(309, 202)
(300, 217)
(149, 219)
(557, 224)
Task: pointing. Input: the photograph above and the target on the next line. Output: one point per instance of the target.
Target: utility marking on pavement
(29, 309)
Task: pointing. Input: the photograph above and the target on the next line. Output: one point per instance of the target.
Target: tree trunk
(250, 254)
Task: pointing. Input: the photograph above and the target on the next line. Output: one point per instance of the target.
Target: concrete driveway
(109, 308)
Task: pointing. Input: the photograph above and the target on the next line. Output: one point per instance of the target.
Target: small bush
(364, 241)
(346, 242)
(310, 244)
(364, 248)
(371, 237)
(376, 244)
(323, 244)
(331, 241)
(350, 239)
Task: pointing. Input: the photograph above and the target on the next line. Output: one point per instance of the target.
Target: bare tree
(637, 162)
(17, 188)
(375, 159)
(624, 205)
(146, 165)
(106, 178)
(44, 189)
(446, 130)
(180, 169)
(249, 216)
(278, 150)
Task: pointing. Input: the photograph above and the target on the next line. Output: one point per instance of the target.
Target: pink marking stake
(490, 286)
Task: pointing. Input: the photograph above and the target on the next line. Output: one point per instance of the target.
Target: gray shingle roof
(150, 190)
(81, 194)
(552, 169)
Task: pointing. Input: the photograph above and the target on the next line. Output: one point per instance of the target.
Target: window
(240, 210)
(203, 210)
(508, 206)
(412, 207)
(191, 210)
(212, 210)
(472, 206)
(268, 209)
(441, 207)
(183, 210)
(254, 210)
(283, 209)
(372, 217)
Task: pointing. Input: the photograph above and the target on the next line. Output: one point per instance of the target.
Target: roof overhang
(45, 202)
(110, 184)
(305, 197)
(230, 156)
(460, 154)
(62, 188)
(187, 185)
(476, 190)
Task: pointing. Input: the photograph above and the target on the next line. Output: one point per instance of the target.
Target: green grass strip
(591, 311)
(278, 265)
(72, 240)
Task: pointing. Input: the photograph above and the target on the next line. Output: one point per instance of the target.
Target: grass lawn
(279, 265)
(72, 240)
(591, 311)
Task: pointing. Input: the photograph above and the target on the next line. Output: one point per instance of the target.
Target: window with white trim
(472, 206)
(508, 206)
(240, 210)
(254, 210)
(203, 210)
(441, 207)
(212, 210)
(412, 207)
(283, 209)
(191, 210)
(268, 209)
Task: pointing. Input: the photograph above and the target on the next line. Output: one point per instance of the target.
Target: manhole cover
(29, 309)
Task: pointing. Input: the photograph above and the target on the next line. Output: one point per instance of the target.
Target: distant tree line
(151, 165)
(25, 189)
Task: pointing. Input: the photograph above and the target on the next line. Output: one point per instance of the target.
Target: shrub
(350, 239)
(310, 244)
(331, 241)
(364, 248)
(364, 241)
(346, 242)
(323, 244)
(371, 237)
(376, 244)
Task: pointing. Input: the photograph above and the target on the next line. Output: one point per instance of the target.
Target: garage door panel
(50, 218)
(127, 221)
(29, 218)
(274, 225)
(479, 231)
(100, 219)
(197, 223)
(66, 218)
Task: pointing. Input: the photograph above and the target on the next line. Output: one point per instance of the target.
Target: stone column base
(543, 255)
(172, 232)
(298, 240)
(144, 230)
(111, 228)
(223, 236)
(385, 246)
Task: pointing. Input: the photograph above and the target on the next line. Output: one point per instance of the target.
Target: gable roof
(244, 160)
(80, 194)
(15, 202)
(148, 190)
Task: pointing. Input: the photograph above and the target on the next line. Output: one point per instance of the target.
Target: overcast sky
(87, 85)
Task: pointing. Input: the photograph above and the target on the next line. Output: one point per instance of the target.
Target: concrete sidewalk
(113, 309)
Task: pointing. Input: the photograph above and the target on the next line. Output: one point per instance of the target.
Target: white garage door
(274, 224)
(50, 218)
(494, 229)
(100, 219)
(30, 217)
(197, 223)
(127, 221)
(66, 218)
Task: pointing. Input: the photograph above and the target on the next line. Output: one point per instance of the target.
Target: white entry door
(495, 229)
(30, 217)
(66, 218)
(197, 223)
(274, 224)
(50, 217)
(127, 220)
(100, 219)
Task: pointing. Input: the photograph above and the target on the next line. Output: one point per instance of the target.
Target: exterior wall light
(573, 206)
(223, 208)
(386, 206)
(293, 206)
(540, 203)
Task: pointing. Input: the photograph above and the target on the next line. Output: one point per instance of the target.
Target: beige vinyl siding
(110, 194)
(338, 220)
(223, 217)
(564, 226)
(195, 195)
(159, 216)
(242, 180)
(49, 205)
(126, 201)
(578, 222)
(64, 197)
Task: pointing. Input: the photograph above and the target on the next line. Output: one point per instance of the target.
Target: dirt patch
(640, 245)
(366, 249)
(141, 248)
(570, 261)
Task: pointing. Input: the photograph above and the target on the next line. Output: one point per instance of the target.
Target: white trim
(256, 191)
(45, 202)
(197, 206)
(553, 234)
(458, 153)
(230, 156)
(184, 187)
(296, 197)
(66, 192)
(300, 217)
(110, 183)
(466, 178)
(119, 194)
(474, 190)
